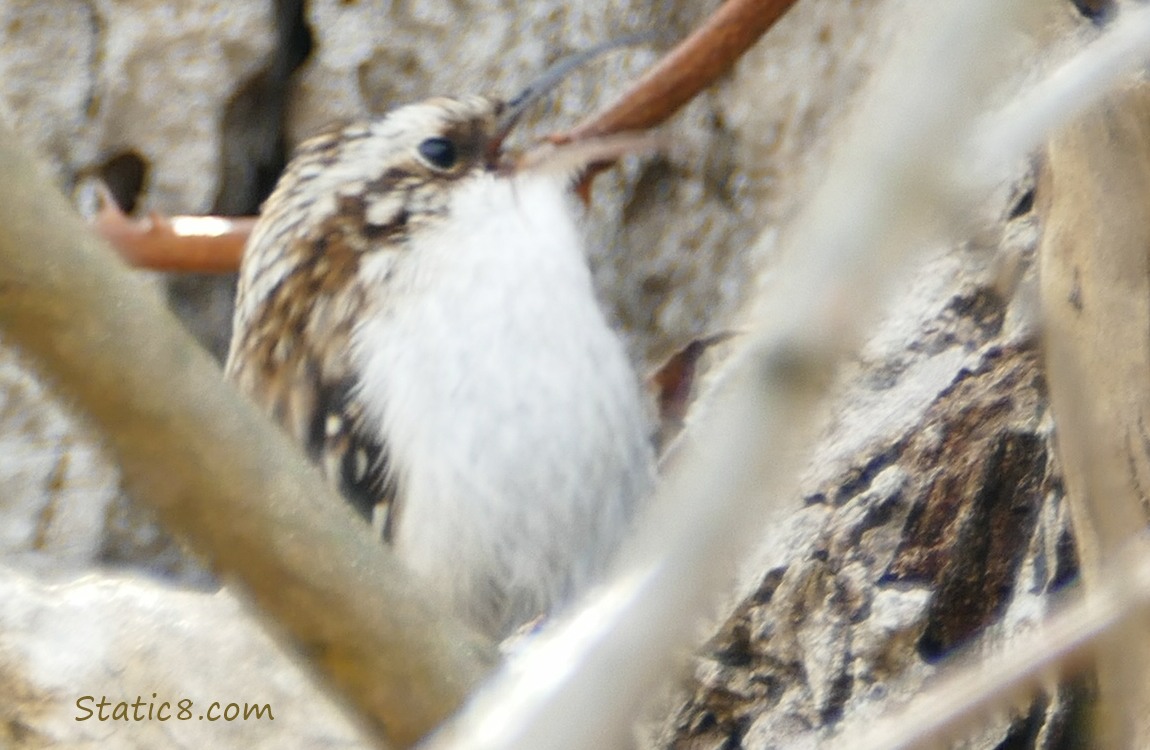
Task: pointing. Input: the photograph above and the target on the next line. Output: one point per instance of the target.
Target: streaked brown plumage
(422, 320)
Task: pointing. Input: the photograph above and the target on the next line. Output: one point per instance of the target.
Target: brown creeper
(420, 317)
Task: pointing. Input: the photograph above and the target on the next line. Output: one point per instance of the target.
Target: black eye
(439, 152)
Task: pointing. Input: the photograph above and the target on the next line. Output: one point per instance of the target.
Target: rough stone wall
(934, 520)
(192, 107)
(137, 93)
(933, 510)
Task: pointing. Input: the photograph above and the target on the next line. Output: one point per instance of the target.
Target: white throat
(512, 416)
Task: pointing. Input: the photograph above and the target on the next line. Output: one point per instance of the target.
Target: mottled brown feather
(300, 295)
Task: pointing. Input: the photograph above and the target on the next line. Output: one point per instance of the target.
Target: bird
(415, 308)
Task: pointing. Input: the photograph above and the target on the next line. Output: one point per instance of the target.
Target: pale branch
(217, 472)
(1079, 82)
(1096, 304)
(1093, 248)
(739, 458)
(983, 684)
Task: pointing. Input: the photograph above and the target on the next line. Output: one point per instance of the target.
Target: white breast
(511, 414)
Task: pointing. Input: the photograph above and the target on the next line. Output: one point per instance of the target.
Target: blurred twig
(217, 472)
(1096, 305)
(1096, 302)
(1082, 81)
(204, 244)
(740, 456)
(986, 683)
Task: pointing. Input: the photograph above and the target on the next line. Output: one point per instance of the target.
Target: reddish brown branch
(216, 245)
(207, 244)
(693, 65)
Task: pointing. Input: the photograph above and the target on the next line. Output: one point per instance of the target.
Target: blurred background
(933, 513)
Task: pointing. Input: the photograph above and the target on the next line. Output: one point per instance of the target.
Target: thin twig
(842, 256)
(205, 244)
(693, 65)
(681, 75)
(983, 684)
(176, 244)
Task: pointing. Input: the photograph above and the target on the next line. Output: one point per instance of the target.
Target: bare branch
(217, 472)
(984, 684)
(693, 65)
(1096, 304)
(739, 459)
(205, 244)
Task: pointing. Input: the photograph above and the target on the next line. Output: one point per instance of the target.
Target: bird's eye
(439, 152)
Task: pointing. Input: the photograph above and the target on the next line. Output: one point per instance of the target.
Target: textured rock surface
(934, 520)
(86, 82)
(934, 511)
(56, 485)
(125, 641)
(185, 107)
(135, 92)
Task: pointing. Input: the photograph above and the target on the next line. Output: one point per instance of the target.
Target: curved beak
(552, 77)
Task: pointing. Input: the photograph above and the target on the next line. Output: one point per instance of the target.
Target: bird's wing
(291, 352)
(350, 456)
